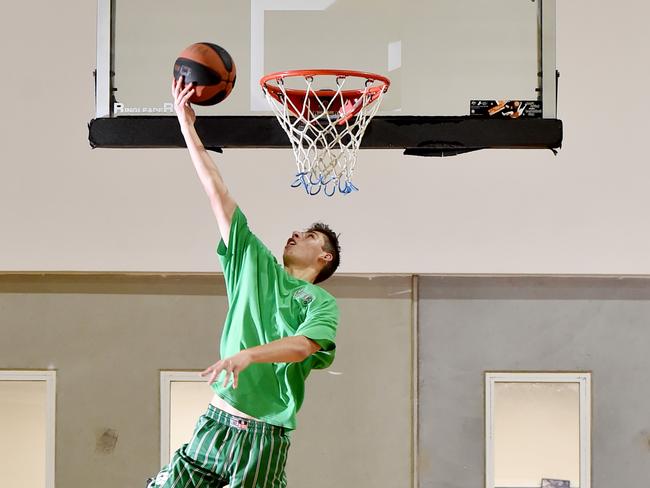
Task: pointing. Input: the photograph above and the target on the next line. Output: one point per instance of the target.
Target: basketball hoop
(325, 118)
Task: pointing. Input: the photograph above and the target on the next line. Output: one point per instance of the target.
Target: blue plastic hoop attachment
(328, 187)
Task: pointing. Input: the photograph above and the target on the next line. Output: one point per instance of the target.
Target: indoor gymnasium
(324, 243)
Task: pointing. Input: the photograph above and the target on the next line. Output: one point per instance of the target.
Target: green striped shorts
(228, 450)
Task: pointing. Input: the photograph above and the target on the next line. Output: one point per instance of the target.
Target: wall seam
(414, 380)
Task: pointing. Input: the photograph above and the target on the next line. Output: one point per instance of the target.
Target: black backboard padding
(439, 151)
(434, 136)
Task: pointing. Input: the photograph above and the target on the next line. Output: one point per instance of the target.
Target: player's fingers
(216, 369)
(182, 95)
(228, 367)
(186, 97)
(213, 377)
(211, 368)
(235, 377)
(178, 83)
(186, 88)
(180, 86)
(226, 379)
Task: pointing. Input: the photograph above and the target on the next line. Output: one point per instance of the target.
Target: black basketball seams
(222, 91)
(215, 99)
(195, 72)
(222, 53)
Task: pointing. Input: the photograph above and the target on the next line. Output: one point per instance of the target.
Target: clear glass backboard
(442, 56)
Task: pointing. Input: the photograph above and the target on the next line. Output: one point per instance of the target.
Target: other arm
(222, 203)
(292, 349)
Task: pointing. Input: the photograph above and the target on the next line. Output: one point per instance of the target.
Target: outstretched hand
(232, 366)
(182, 94)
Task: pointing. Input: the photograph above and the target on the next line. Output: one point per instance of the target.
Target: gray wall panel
(470, 325)
(108, 336)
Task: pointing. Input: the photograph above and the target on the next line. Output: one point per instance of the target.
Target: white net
(325, 127)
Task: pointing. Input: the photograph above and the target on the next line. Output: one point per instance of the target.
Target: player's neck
(305, 274)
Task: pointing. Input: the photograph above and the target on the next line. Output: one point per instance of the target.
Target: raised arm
(223, 205)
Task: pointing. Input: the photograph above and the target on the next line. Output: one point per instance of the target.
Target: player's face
(304, 248)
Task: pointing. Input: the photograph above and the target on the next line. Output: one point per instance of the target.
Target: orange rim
(278, 77)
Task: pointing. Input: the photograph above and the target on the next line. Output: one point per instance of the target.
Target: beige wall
(187, 401)
(536, 433)
(23, 406)
(65, 207)
(108, 337)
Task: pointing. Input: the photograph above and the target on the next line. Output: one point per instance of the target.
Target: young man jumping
(279, 327)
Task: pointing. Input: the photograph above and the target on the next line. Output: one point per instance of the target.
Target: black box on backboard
(509, 109)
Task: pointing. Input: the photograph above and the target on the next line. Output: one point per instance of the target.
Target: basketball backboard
(443, 58)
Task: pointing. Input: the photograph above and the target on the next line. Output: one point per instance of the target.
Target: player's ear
(326, 256)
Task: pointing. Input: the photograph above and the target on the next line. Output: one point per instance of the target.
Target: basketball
(210, 68)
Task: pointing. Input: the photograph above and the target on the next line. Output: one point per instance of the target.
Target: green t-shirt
(266, 304)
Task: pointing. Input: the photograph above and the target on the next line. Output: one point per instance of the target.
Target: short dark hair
(331, 246)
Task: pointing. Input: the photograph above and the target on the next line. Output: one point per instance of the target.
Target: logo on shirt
(303, 297)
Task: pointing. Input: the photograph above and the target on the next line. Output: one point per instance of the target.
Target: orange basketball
(210, 68)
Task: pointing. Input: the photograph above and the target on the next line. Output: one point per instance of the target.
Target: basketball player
(279, 327)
